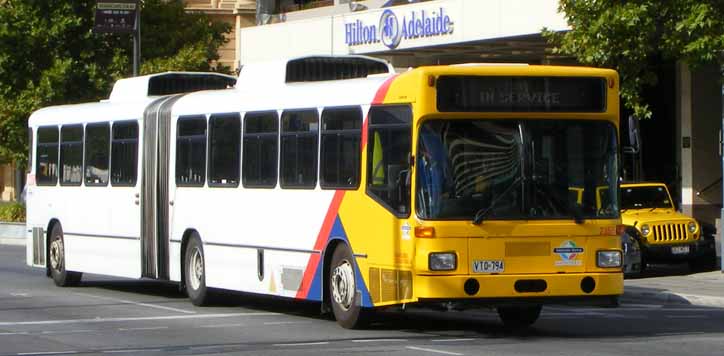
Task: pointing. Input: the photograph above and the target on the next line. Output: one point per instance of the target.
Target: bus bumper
(576, 288)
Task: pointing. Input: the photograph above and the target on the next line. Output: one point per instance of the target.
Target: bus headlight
(692, 227)
(609, 259)
(645, 230)
(442, 261)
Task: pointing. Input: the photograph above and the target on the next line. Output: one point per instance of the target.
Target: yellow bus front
(495, 154)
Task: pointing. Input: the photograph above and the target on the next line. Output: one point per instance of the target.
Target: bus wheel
(519, 317)
(343, 295)
(56, 259)
(195, 272)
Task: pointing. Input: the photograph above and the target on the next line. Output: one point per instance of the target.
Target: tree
(631, 35)
(49, 55)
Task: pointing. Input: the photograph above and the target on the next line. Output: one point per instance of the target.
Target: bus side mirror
(634, 136)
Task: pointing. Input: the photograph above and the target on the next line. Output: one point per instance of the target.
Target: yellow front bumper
(503, 286)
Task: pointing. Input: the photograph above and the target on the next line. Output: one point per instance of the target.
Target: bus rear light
(442, 261)
(424, 231)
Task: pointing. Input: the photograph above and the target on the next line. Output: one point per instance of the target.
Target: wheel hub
(196, 269)
(56, 254)
(342, 281)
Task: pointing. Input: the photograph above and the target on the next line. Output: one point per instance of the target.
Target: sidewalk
(12, 241)
(12, 233)
(682, 288)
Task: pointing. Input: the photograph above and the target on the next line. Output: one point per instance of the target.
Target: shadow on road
(555, 321)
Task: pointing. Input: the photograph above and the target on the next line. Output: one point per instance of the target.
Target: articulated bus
(340, 181)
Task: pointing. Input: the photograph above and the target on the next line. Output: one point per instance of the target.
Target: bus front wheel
(517, 317)
(56, 259)
(343, 295)
(195, 273)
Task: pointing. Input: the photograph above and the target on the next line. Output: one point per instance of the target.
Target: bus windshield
(516, 169)
(645, 197)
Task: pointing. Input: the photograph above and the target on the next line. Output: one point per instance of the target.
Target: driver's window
(388, 157)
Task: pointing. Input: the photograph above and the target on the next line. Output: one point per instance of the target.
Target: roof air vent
(176, 83)
(315, 69)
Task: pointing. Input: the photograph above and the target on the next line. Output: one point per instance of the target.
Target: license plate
(488, 266)
(679, 250)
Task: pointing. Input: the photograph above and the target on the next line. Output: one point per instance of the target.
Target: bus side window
(124, 153)
(97, 147)
(71, 154)
(191, 151)
(224, 150)
(299, 137)
(261, 142)
(340, 148)
(388, 157)
(46, 169)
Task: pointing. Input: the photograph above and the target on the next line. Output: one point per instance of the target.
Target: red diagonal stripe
(320, 244)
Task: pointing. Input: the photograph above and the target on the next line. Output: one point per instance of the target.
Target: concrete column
(684, 129)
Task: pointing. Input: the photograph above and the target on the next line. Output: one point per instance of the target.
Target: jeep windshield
(516, 169)
(645, 197)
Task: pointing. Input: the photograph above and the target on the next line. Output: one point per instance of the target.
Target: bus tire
(56, 260)
(519, 317)
(343, 295)
(195, 273)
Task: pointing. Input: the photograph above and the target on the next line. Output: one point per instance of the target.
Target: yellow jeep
(664, 234)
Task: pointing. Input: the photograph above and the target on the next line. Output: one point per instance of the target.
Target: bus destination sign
(520, 94)
(116, 16)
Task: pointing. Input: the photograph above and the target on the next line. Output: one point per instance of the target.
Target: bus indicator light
(424, 231)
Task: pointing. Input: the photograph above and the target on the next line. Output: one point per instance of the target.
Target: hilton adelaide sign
(391, 29)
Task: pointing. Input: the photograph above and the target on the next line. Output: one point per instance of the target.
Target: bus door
(154, 190)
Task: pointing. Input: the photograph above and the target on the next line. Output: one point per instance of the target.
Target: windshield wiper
(483, 212)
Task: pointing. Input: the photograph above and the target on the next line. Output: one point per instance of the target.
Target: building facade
(237, 13)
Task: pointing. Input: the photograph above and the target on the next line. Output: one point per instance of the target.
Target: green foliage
(49, 55)
(631, 35)
(176, 40)
(12, 212)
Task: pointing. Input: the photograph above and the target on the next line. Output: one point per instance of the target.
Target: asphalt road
(108, 316)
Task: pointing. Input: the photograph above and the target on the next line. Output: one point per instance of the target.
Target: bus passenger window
(259, 162)
(388, 157)
(340, 148)
(299, 149)
(97, 147)
(124, 153)
(191, 151)
(46, 169)
(224, 150)
(71, 154)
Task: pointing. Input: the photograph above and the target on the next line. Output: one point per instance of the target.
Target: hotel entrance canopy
(441, 31)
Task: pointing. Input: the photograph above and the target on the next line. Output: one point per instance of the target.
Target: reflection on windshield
(645, 197)
(504, 169)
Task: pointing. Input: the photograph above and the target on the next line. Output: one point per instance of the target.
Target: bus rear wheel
(343, 295)
(56, 259)
(195, 272)
(518, 317)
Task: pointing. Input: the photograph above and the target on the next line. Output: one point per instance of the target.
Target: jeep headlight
(608, 259)
(692, 227)
(443, 261)
(645, 230)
